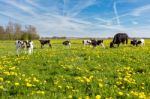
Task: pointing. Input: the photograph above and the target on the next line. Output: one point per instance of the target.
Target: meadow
(75, 73)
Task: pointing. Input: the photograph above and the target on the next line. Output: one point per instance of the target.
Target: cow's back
(120, 37)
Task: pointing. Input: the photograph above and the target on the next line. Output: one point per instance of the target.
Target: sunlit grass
(76, 72)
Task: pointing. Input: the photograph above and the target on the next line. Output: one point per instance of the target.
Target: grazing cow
(43, 42)
(86, 42)
(24, 45)
(66, 43)
(137, 42)
(100, 43)
(141, 42)
(119, 38)
(134, 42)
(95, 43)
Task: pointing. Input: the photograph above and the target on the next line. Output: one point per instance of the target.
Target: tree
(31, 29)
(10, 30)
(17, 29)
(2, 30)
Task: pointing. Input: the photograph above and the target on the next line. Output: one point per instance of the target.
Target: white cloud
(52, 23)
(141, 10)
(20, 6)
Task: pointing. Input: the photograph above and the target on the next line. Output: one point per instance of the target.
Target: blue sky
(80, 18)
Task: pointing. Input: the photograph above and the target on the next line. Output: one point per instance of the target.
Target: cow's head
(111, 44)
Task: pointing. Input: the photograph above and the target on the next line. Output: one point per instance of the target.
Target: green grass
(63, 72)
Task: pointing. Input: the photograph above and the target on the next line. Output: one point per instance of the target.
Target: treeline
(15, 31)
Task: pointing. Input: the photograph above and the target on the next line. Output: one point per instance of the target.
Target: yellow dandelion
(16, 84)
(120, 93)
(1, 79)
(87, 97)
(98, 97)
(28, 84)
(100, 85)
(70, 96)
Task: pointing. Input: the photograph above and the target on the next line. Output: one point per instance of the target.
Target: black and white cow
(66, 43)
(141, 42)
(86, 42)
(133, 42)
(43, 42)
(95, 43)
(26, 46)
(138, 42)
(119, 38)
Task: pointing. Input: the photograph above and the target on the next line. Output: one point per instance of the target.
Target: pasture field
(75, 73)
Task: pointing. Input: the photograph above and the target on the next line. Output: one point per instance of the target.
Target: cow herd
(27, 45)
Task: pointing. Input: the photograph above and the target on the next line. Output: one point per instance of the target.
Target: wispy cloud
(65, 19)
(116, 13)
(79, 6)
(20, 6)
(141, 10)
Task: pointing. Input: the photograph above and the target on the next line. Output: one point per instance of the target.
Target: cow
(43, 42)
(100, 43)
(119, 38)
(137, 42)
(141, 42)
(95, 43)
(134, 42)
(30, 46)
(66, 43)
(86, 42)
(24, 45)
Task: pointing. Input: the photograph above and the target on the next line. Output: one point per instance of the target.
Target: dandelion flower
(98, 97)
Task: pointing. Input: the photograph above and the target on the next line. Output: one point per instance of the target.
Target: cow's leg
(94, 46)
(69, 44)
(102, 45)
(118, 44)
(17, 51)
(30, 50)
(41, 45)
(50, 45)
(25, 50)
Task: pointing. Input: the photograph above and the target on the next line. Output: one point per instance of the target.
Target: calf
(100, 43)
(134, 42)
(43, 42)
(66, 43)
(24, 45)
(137, 42)
(141, 42)
(95, 43)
